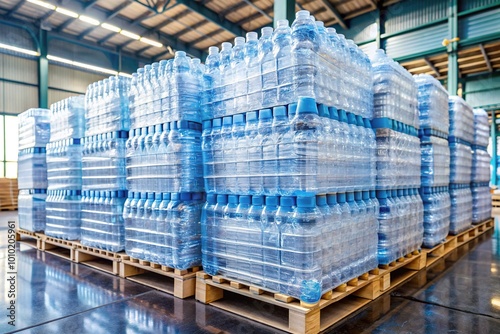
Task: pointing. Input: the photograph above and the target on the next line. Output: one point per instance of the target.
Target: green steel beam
(480, 9)
(338, 17)
(494, 157)
(213, 17)
(452, 47)
(284, 10)
(43, 71)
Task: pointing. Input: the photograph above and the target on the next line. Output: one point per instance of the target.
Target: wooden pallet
(474, 232)
(59, 247)
(98, 258)
(291, 315)
(439, 251)
(8, 194)
(180, 283)
(28, 238)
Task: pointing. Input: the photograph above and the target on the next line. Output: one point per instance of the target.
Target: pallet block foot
(304, 323)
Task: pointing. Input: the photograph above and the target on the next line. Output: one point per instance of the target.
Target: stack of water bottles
(104, 182)
(398, 159)
(64, 168)
(164, 164)
(433, 133)
(34, 132)
(481, 196)
(461, 138)
(287, 118)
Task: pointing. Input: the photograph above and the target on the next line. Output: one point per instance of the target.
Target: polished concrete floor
(461, 295)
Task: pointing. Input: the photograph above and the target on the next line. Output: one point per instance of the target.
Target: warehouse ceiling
(482, 58)
(156, 28)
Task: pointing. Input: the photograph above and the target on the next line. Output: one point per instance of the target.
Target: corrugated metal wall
(17, 97)
(362, 28)
(16, 37)
(464, 5)
(369, 48)
(480, 24)
(69, 79)
(423, 41)
(483, 92)
(410, 14)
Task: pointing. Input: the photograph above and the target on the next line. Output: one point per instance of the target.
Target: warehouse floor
(57, 296)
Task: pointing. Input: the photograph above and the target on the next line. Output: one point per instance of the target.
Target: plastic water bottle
(268, 70)
(253, 74)
(304, 51)
(208, 235)
(32, 215)
(271, 244)
(301, 249)
(240, 154)
(282, 48)
(239, 76)
(254, 150)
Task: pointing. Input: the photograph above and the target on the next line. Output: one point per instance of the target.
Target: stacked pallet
(8, 194)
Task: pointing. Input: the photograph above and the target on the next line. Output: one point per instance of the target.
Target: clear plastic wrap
(33, 128)
(461, 208)
(481, 202)
(32, 168)
(461, 119)
(481, 128)
(460, 163)
(480, 165)
(437, 206)
(31, 209)
(432, 103)
(67, 120)
(435, 162)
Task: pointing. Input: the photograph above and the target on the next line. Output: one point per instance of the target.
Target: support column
(43, 71)
(284, 10)
(452, 47)
(494, 157)
(380, 21)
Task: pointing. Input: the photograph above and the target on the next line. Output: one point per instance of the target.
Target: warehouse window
(8, 146)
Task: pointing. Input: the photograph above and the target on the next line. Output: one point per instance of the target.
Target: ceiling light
(20, 50)
(89, 20)
(110, 27)
(66, 12)
(130, 34)
(43, 4)
(150, 42)
(82, 65)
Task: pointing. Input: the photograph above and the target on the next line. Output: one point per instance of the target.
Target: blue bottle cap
(287, 201)
(372, 194)
(174, 196)
(245, 199)
(334, 113)
(211, 198)
(166, 127)
(382, 193)
(358, 196)
(341, 198)
(343, 116)
(257, 200)
(321, 200)
(157, 196)
(239, 119)
(394, 193)
(350, 196)
(323, 110)
(228, 120)
(367, 123)
(144, 195)
(400, 192)
(151, 195)
(306, 201)
(292, 110)
(158, 128)
(185, 196)
(196, 196)
(137, 195)
(307, 105)
(221, 199)
(265, 114)
(233, 199)
(166, 197)
(102, 193)
(405, 192)
(351, 118)
(251, 116)
(359, 121)
(272, 201)
(279, 111)
(174, 126)
(331, 199)
(151, 130)
(207, 124)
(217, 123)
